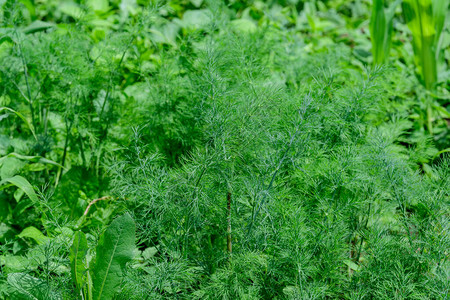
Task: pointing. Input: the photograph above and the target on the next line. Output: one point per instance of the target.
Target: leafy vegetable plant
(100, 277)
(256, 150)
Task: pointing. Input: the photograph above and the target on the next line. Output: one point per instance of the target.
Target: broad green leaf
(37, 26)
(197, 3)
(23, 184)
(30, 7)
(99, 6)
(440, 9)
(71, 8)
(77, 257)
(34, 233)
(21, 207)
(14, 263)
(378, 31)
(18, 194)
(425, 19)
(149, 252)
(381, 30)
(10, 166)
(114, 250)
(352, 265)
(243, 25)
(196, 19)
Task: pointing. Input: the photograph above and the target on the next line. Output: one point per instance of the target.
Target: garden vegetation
(224, 149)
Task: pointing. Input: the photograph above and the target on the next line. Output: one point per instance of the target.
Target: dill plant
(323, 203)
(252, 168)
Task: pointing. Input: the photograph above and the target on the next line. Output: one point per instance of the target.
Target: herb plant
(218, 150)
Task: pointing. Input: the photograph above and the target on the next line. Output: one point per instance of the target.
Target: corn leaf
(425, 19)
(378, 31)
(440, 9)
(381, 30)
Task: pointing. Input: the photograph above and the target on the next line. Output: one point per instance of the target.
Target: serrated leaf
(71, 9)
(114, 250)
(77, 257)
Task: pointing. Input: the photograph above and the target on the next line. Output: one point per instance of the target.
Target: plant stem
(93, 202)
(229, 243)
(25, 71)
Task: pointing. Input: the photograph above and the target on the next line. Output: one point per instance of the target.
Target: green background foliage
(193, 149)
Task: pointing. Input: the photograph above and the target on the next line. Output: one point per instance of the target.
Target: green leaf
(243, 25)
(22, 184)
(33, 159)
(21, 117)
(77, 257)
(37, 26)
(425, 19)
(440, 9)
(196, 19)
(10, 166)
(114, 250)
(30, 7)
(71, 9)
(381, 30)
(197, 3)
(352, 265)
(149, 252)
(14, 263)
(34, 233)
(378, 31)
(99, 6)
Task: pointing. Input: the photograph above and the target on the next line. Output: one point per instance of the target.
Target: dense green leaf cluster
(323, 203)
(216, 150)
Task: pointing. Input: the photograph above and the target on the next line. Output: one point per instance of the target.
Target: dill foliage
(252, 168)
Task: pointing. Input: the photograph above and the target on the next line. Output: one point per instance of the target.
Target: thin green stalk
(25, 70)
